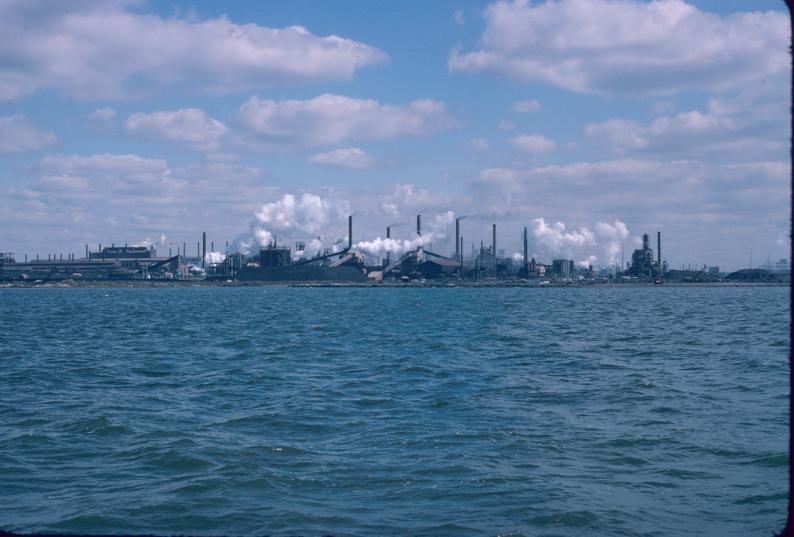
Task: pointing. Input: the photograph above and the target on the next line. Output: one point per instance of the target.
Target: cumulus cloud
(533, 144)
(70, 46)
(189, 126)
(73, 199)
(525, 106)
(18, 135)
(103, 115)
(744, 126)
(109, 173)
(331, 119)
(351, 158)
(621, 135)
(684, 193)
(624, 46)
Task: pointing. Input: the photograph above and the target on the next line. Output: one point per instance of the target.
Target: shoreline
(389, 285)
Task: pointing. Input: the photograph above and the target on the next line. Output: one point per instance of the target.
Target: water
(567, 411)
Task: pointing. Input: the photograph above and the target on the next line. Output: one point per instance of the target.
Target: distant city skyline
(589, 121)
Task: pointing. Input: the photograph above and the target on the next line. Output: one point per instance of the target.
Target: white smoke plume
(214, 257)
(556, 238)
(590, 260)
(435, 230)
(614, 234)
(291, 216)
(148, 242)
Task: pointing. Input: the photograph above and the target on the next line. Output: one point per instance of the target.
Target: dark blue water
(600, 411)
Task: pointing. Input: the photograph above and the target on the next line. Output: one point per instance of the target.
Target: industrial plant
(278, 263)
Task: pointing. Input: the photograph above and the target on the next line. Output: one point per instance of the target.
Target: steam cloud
(437, 230)
(306, 214)
(558, 239)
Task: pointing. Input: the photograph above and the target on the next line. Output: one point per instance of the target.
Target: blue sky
(591, 122)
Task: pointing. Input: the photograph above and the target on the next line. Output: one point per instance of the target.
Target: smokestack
(212, 246)
(526, 253)
(86, 251)
(494, 247)
(458, 247)
(419, 225)
(203, 247)
(350, 232)
(659, 249)
(388, 253)
(461, 257)
(184, 248)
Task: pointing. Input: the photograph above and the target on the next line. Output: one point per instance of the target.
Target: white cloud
(331, 119)
(71, 199)
(525, 106)
(102, 115)
(621, 46)
(533, 144)
(87, 49)
(18, 134)
(351, 158)
(680, 193)
(744, 127)
(189, 126)
(480, 144)
(112, 172)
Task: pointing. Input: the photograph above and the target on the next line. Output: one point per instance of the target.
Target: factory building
(563, 268)
(123, 252)
(274, 263)
(643, 264)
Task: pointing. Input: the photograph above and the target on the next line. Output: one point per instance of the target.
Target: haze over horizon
(590, 121)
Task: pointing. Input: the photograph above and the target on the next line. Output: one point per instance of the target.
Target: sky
(590, 122)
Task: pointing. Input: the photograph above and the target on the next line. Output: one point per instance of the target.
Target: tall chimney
(184, 248)
(203, 247)
(86, 251)
(659, 250)
(461, 257)
(458, 248)
(212, 246)
(494, 247)
(388, 252)
(350, 232)
(526, 253)
(419, 225)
